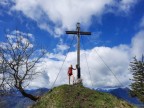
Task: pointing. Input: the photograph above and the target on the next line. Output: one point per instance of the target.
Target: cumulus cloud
(61, 47)
(125, 5)
(57, 15)
(15, 36)
(138, 44)
(142, 22)
(4, 2)
(3, 5)
(117, 58)
(41, 80)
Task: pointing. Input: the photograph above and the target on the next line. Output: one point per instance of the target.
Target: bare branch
(19, 60)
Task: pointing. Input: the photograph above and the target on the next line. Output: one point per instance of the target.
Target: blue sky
(116, 26)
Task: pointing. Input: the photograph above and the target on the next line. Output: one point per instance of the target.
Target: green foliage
(77, 96)
(137, 85)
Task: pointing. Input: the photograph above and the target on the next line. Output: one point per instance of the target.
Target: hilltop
(78, 96)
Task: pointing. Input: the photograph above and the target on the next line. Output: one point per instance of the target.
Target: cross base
(79, 81)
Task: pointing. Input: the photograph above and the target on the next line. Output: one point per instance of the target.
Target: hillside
(77, 96)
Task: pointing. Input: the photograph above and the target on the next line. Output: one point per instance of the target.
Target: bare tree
(18, 61)
(2, 79)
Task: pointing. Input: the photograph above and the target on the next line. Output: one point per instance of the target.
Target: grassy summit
(77, 96)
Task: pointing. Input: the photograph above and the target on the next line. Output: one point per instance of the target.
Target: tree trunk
(30, 96)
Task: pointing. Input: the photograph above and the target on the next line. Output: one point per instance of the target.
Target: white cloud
(142, 22)
(14, 36)
(4, 2)
(56, 56)
(125, 5)
(138, 44)
(61, 47)
(5, 6)
(40, 81)
(117, 58)
(57, 15)
(14, 32)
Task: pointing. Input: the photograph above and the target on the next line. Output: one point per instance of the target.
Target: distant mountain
(18, 101)
(122, 93)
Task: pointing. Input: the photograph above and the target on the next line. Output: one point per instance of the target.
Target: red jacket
(70, 70)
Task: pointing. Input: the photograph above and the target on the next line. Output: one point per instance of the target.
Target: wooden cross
(78, 32)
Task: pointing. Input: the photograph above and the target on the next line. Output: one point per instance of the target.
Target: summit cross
(78, 33)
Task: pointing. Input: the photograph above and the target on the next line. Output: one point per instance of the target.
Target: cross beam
(75, 32)
(78, 33)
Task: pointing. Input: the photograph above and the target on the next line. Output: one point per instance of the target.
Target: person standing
(70, 73)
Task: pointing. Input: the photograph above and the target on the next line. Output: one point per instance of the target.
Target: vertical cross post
(78, 51)
(78, 33)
